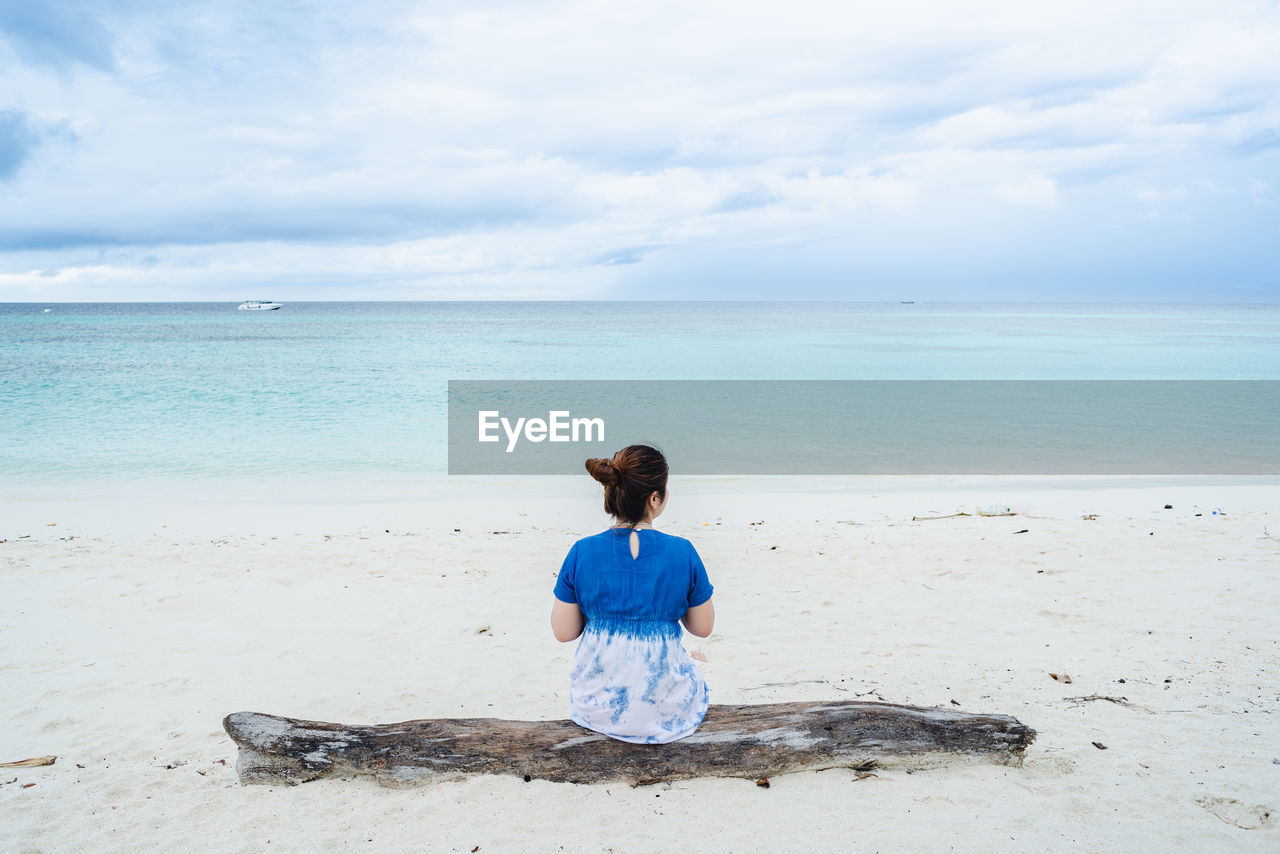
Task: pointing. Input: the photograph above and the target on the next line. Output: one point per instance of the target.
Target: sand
(133, 625)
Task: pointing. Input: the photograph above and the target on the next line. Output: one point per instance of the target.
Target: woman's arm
(700, 619)
(566, 621)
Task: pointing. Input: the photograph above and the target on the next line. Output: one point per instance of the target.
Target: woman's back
(632, 678)
(656, 584)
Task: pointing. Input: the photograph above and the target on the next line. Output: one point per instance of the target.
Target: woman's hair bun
(633, 475)
(603, 471)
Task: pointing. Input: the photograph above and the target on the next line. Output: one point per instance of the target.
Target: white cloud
(401, 149)
(1154, 196)
(1036, 190)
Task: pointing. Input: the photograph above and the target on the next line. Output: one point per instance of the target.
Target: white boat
(259, 305)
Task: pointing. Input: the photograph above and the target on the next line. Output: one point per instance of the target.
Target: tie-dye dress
(632, 678)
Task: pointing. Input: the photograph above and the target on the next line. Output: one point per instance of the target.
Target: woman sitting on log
(626, 591)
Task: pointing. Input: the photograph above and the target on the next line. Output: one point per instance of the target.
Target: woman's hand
(566, 621)
(699, 620)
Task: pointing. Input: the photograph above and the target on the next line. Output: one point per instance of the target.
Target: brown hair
(629, 478)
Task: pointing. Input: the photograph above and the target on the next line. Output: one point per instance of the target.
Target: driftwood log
(734, 741)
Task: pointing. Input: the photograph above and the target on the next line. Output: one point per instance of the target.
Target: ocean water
(198, 392)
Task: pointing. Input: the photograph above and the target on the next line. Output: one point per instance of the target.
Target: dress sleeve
(565, 583)
(700, 590)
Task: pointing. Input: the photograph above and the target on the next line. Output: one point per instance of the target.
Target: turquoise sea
(102, 393)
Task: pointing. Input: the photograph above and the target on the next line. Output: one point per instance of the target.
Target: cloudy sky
(1117, 150)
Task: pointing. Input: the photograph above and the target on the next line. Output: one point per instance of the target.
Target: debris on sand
(30, 763)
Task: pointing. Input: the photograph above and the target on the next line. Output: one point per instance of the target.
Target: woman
(626, 591)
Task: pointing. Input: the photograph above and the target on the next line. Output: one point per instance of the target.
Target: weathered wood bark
(733, 741)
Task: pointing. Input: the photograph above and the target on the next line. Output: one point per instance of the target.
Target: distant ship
(259, 305)
(907, 301)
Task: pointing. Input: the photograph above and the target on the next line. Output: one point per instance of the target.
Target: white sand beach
(129, 628)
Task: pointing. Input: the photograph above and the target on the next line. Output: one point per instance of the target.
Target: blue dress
(632, 678)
